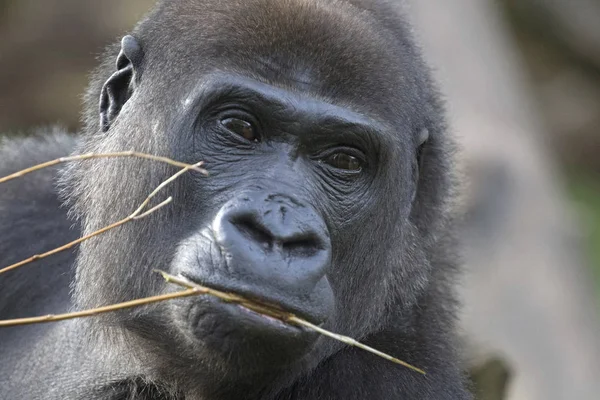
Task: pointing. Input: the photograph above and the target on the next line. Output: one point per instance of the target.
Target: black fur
(369, 254)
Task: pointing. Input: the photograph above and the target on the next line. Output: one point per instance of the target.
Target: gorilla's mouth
(266, 308)
(257, 325)
(244, 319)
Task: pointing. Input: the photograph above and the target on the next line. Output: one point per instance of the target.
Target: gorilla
(329, 195)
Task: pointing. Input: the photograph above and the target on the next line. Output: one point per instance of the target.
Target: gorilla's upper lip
(276, 308)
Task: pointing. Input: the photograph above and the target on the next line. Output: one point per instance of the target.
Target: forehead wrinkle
(293, 107)
(298, 75)
(219, 84)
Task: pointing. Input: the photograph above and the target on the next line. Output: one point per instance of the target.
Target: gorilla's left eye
(345, 161)
(241, 127)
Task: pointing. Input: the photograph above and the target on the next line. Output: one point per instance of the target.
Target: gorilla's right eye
(241, 127)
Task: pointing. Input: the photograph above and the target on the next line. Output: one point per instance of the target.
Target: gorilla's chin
(231, 332)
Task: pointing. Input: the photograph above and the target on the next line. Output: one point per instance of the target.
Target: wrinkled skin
(327, 196)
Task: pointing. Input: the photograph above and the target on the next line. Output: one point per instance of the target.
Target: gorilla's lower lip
(229, 331)
(266, 318)
(271, 307)
(236, 317)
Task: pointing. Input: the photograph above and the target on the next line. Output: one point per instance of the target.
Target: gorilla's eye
(344, 161)
(240, 127)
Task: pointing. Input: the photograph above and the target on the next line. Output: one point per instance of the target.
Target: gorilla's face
(290, 177)
(312, 160)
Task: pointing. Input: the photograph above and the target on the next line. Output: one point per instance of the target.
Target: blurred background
(522, 82)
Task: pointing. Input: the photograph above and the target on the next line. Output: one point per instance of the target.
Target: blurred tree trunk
(527, 295)
(561, 43)
(575, 24)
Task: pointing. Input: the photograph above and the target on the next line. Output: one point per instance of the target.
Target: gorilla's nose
(275, 241)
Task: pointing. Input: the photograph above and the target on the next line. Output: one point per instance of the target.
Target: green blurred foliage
(584, 188)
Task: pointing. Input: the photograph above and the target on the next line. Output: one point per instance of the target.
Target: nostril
(292, 244)
(253, 231)
(301, 247)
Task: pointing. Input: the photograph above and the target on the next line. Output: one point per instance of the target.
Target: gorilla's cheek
(199, 254)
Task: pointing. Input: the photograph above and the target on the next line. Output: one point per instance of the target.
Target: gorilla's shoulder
(19, 152)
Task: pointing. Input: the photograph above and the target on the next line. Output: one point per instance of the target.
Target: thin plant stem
(137, 214)
(194, 289)
(162, 186)
(89, 156)
(153, 209)
(83, 238)
(351, 342)
(99, 310)
(283, 316)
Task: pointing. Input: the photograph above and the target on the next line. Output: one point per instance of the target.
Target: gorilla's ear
(119, 87)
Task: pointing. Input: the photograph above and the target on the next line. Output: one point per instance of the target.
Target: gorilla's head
(325, 146)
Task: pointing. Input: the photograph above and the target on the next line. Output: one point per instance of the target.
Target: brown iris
(241, 127)
(344, 161)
